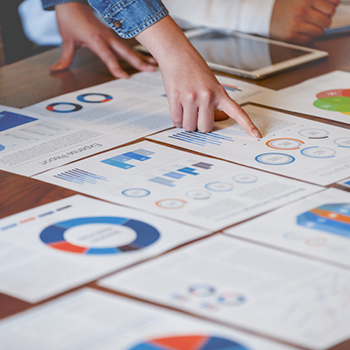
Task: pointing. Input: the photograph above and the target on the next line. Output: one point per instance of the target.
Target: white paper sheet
(91, 319)
(240, 283)
(55, 247)
(300, 148)
(196, 190)
(131, 105)
(326, 96)
(317, 226)
(32, 143)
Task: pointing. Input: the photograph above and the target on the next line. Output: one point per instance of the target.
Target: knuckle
(190, 96)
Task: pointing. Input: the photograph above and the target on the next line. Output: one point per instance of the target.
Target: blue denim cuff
(50, 4)
(129, 17)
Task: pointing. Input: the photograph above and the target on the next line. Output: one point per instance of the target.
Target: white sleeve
(249, 16)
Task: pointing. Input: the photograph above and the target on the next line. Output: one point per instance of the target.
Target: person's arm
(79, 27)
(301, 20)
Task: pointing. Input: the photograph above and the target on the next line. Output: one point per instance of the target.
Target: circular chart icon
(218, 186)
(201, 290)
(94, 98)
(97, 235)
(171, 203)
(189, 342)
(2, 147)
(285, 143)
(245, 178)
(314, 133)
(336, 100)
(63, 107)
(136, 192)
(318, 152)
(231, 299)
(198, 194)
(294, 236)
(343, 142)
(275, 159)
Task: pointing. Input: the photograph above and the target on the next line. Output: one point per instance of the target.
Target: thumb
(66, 58)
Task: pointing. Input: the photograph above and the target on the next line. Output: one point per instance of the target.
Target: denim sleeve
(50, 4)
(129, 17)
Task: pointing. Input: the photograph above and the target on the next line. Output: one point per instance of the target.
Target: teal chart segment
(53, 235)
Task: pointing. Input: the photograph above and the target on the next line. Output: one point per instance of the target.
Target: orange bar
(331, 215)
(68, 247)
(26, 220)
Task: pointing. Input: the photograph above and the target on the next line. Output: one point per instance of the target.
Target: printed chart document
(197, 190)
(291, 146)
(95, 320)
(55, 247)
(285, 296)
(317, 226)
(31, 143)
(327, 96)
(133, 107)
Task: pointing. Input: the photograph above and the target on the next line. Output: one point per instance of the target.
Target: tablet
(247, 55)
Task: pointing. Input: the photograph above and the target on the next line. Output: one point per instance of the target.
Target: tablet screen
(240, 52)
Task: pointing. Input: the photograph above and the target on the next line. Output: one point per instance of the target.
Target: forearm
(50, 4)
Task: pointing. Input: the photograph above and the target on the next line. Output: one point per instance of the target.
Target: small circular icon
(198, 194)
(245, 178)
(231, 299)
(63, 107)
(275, 159)
(318, 152)
(94, 98)
(201, 290)
(218, 186)
(171, 203)
(314, 133)
(343, 142)
(136, 192)
(285, 144)
(294, 236)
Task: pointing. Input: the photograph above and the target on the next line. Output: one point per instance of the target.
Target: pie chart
(336, 100)
(190, 342)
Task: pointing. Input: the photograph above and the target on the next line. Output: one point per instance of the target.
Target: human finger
(325, 6)
(309, 30)
(101, 49)
(190, 112)
(205, 121)
(234, 111)
(176, 111)
(66, 58)
(318, 18)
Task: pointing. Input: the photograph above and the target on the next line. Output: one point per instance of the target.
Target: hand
(79, 27)
(192, 89)
(301, 20)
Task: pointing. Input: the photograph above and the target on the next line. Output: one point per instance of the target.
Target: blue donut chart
(106, 98)
(51, 107)
(53, 235)
(288, 158)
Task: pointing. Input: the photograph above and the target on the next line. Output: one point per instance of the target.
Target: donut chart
(190, 342)
(330, 218)
(54, 235)
(84, 98)
(336, 100)
(75, 107)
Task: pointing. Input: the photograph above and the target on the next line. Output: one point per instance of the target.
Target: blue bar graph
(162, 181)
(201, 139)
(80, 177)
(120, 161)
(174, 175)
(188, 170)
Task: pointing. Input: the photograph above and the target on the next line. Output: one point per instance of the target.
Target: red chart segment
(190, 342)
(336, 100)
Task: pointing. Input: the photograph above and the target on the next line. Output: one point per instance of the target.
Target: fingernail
(256, 133)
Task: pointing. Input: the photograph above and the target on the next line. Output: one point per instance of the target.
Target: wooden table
(29, 81)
